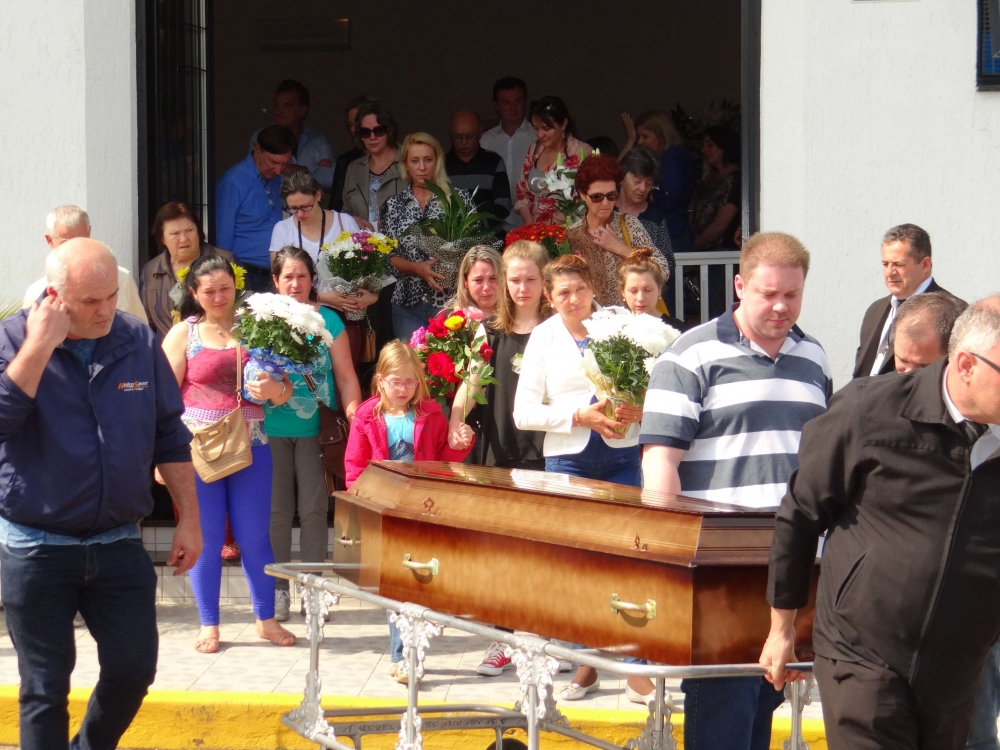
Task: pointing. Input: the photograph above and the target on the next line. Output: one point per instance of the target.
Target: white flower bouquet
(281, 335)
(621, 353)
(355, 260)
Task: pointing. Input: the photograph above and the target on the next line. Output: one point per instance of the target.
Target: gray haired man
(65, 223)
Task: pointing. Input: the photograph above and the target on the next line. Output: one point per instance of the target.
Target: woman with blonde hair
(640, 279)
(522, 307)
(678, 175)
(481, 277)
(418, 295)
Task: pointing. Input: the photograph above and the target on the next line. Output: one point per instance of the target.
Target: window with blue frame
(988, 63)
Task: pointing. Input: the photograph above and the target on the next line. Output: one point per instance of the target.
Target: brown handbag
(222, 447)
(368, 345)
(334, 430)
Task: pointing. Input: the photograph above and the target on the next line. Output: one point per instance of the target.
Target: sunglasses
(378, 131)
(601, 197)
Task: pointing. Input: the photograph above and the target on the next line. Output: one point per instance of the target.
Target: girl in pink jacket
(401, 423)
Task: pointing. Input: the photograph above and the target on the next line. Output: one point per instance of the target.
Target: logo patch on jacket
(134, 385)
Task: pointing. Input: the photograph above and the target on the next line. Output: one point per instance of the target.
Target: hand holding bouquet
(453, 349)
(355, 260)
(281, 335)
(550, 236)
(621, 353)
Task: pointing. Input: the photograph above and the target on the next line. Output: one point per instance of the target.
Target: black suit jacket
(911, 567)
(871, 335)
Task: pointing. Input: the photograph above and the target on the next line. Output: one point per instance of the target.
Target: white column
(67, 127)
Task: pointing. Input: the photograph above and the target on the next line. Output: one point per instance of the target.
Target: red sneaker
(230, 551)
(495, 661)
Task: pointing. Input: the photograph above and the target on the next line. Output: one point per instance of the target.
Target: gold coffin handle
(648, 610)
(433, 567)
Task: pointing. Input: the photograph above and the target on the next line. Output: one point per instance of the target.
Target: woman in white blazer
(554, 397)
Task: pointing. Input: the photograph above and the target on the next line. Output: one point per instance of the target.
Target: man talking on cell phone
(88, 405)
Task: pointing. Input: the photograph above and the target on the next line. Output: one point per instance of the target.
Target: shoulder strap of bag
(239, 375)
(625, 234)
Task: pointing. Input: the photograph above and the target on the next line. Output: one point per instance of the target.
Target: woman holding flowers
(604, 237)
(204, 357)
(640, 279)
(293, 428)
(556, 398)
(555, 147)
(418, 295)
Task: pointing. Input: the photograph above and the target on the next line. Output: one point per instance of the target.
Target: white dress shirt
(313, 147)
(513, 149)
(883, 345)
(988, 443)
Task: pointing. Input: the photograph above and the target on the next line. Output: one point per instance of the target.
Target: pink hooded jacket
(368, 440)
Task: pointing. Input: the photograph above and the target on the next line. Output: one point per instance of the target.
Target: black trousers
(868, 707)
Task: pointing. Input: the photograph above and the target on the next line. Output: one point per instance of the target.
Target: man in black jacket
(902, 473)
(906, 267)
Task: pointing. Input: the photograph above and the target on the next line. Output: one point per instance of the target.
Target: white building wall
(870, 118)
(67, 127)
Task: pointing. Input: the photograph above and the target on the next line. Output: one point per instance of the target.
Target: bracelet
(283, 389)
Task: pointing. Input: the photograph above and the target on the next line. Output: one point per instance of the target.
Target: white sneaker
(282, 605)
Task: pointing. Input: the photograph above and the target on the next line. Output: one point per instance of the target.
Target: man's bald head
(465, 132)
(83, 273)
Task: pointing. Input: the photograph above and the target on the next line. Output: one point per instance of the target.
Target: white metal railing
(728, 258)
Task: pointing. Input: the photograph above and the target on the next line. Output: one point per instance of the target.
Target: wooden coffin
(547, 553)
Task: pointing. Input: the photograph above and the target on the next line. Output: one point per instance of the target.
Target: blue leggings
(246, 498)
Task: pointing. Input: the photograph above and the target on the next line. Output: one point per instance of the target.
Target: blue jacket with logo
(76, 459)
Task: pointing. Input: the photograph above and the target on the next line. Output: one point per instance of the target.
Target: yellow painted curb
(174, 720)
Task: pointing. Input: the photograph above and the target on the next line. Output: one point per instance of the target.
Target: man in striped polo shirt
(721, 421)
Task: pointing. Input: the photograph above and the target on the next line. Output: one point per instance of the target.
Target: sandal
(279, 637)
(207, 645)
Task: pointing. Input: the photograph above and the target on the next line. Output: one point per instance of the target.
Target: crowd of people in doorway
(740, 409)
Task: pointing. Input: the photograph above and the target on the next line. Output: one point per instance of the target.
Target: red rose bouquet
(453, 349)
(550, 236)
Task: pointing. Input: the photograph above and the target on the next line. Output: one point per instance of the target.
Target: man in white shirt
(313, 151)
(513, 136)
(906, 267)
(66, 223)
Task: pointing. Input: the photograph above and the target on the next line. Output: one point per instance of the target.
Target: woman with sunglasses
(554, 131)
(604, 237)
(376, 176)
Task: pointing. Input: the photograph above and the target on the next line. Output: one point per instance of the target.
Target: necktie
(973, 430)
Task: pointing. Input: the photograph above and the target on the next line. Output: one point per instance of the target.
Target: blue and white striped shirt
(737, 413)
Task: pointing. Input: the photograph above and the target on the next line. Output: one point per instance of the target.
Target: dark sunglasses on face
(378, 131)
(601, 197)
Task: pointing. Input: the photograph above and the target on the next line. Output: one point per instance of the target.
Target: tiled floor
(354, 660)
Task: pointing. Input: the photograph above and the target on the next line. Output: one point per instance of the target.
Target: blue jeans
(729, 712)
(114, 587)
(600, 461)
(983, 732)
(395, 642)
(405, 320)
